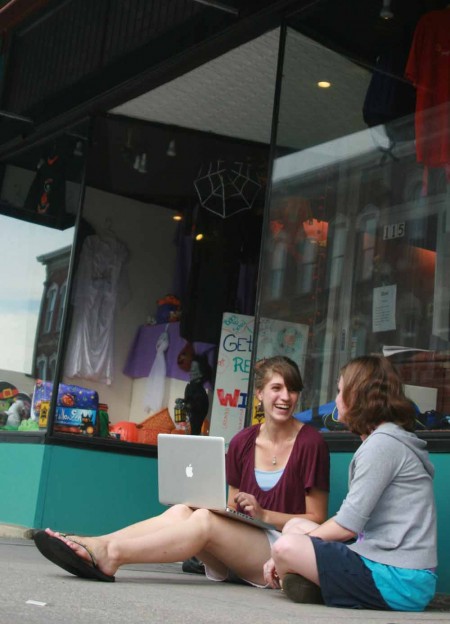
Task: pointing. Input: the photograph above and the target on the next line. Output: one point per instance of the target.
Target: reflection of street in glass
(22, 279)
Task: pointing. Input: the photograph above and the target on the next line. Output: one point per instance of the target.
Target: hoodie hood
(409, 439)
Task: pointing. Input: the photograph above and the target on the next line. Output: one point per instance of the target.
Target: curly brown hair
(372, 392)
(284, 366)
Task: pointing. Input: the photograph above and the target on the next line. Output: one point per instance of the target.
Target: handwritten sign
(232, 376)
(233, 366)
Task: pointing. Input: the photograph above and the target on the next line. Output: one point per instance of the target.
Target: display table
(143, 351)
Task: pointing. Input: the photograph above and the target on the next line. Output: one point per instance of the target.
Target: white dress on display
(91, 342)
(154, 386)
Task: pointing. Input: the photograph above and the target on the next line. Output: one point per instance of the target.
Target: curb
(15, 531)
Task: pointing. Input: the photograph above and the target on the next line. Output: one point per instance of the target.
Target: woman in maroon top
(276, 471)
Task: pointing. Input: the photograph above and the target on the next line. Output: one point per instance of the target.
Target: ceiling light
(199, 237)
(386, 12)
(324, 84)
(140, 163)
(78, 150)
(172, 150)
(177, 217)
(143, 164)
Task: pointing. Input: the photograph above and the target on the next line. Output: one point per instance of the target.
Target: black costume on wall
(217, 259)
(196, 400)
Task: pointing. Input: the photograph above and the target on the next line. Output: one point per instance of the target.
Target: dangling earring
(259, 412)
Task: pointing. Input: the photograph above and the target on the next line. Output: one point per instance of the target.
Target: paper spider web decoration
(227, 190)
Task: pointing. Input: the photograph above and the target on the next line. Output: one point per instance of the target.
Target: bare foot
(97, 546)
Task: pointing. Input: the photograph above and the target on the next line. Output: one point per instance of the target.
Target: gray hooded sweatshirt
(390, 502)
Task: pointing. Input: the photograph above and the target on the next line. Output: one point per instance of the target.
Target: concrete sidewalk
(35, 591)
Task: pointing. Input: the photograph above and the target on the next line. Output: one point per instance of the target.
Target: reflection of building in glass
(51, 312)
(386, 258)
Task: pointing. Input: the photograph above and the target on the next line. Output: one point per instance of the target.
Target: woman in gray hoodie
(379, 550)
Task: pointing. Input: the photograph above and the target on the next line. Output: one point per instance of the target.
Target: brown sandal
(299, 589)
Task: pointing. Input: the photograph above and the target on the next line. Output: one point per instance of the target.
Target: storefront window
(357, 250)
(39, 199)
(148, 292)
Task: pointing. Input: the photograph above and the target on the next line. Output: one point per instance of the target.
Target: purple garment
(143, 351)
(308, 467)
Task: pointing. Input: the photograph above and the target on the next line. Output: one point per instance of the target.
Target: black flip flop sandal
(58, 552)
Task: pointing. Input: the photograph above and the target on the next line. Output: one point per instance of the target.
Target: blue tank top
(267, 479)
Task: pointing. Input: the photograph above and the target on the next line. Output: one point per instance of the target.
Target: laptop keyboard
(239, 513)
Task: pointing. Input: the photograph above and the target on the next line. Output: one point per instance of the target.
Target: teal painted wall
(442, 465)
(21, 466)
(441, 462)
(93, 492)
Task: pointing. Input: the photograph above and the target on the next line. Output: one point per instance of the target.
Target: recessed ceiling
(230, 95)
(233, 94)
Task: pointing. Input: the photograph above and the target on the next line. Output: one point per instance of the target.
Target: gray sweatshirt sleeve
(371, 470)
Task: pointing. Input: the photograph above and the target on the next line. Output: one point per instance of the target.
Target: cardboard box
(69, 396)
(76, 420)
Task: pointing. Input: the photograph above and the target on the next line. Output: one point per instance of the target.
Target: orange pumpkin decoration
(316, 230)
(68, 400)
(127, 430)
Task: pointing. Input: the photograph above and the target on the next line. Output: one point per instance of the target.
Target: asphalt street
(34, 591)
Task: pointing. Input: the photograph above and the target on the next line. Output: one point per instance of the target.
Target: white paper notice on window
(383, 308)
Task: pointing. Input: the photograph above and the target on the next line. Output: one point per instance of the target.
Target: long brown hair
(372, 392)
(284, 366)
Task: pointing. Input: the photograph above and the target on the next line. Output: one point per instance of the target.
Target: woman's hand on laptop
(249, 505)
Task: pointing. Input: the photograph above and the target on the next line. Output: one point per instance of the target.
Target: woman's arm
(332, 531)
(316, 502)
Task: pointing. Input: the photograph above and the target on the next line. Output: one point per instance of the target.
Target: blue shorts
(345, 581)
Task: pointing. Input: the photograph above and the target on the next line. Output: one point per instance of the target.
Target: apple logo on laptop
(189, 471)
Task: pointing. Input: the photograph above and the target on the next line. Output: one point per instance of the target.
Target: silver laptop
(191, 470)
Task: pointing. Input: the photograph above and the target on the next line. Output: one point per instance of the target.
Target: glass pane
(38, 201)
(157, 266)
(357, 251)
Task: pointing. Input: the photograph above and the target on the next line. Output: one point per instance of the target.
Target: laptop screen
(191, 470)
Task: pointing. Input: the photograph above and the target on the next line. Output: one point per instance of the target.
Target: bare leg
(210, 536)
(295, 553)
(174, 514)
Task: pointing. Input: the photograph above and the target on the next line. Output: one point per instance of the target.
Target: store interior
(176, 183)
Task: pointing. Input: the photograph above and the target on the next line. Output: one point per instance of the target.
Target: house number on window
(394, 230)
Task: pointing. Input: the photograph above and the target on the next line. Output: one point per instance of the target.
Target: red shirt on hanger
(428, 67)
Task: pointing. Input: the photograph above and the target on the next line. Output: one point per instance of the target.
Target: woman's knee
(204, 516)
(279, 548)
(286, 548)
(299, 525)
(291, 524)
(180, 512)
(208, 521)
